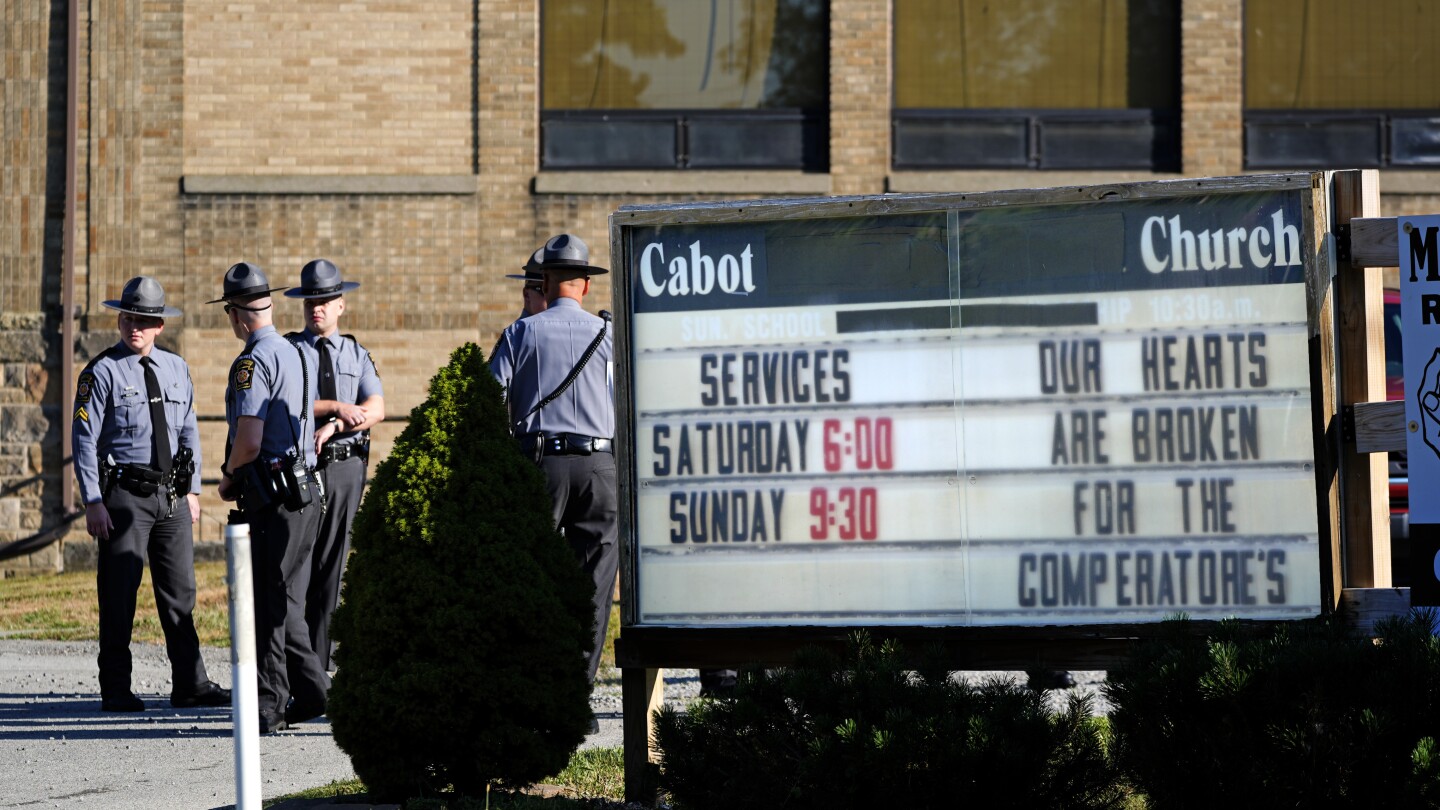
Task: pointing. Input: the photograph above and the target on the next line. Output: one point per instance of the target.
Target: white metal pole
(245, 703)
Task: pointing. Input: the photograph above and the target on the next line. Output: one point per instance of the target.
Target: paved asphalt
(57, 749)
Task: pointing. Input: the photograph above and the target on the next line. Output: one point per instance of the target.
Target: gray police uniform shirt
(356, 378)
(112, 414)
(535, 354)
(267, 381)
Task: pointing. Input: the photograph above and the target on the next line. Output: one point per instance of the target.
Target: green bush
(863, 731)
(465, 618)
(1300, 715)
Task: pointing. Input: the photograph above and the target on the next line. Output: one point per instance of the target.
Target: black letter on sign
(1423, 253)
(1429, 309)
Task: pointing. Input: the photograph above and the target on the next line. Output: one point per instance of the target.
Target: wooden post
(642, 691)
(1359, 319)
(1361, 608)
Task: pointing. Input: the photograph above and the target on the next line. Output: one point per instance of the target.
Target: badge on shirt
(82, 390)
(81, 415)
(244, 371)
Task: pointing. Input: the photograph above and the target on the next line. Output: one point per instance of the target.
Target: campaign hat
(320, 279)
(143, 295)
(245, 280)
(568, 253)
(532, 268)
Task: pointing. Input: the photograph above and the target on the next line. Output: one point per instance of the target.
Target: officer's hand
(97, 521)
(352, 415)
(194, 501)
(229, 490)
(323, 435)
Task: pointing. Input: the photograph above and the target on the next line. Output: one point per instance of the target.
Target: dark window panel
(615, 143)
(1415, 141)
(1311, 141)
(1037, 139)
(790, 142)
(1106, 143)
(681, 139)
(956, 142)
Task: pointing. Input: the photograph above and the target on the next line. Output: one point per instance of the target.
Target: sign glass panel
(1058, 414)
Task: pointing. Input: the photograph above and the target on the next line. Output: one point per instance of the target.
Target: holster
(107, 476)
(284, 480)
(182, 469)
(255, 490)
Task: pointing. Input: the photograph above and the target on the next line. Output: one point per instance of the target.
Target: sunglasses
(141, 321)
(535, 288)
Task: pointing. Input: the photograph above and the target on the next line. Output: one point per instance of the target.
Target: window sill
(967, 180)
(328, 184)
(688, 182)
(1409, 181)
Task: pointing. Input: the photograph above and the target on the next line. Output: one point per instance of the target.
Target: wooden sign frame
(644, 648)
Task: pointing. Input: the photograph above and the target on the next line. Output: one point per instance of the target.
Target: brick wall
(328, 87)
(1212, 87)
(29, 438)
(25, 40)
(860, 99)
(415, 256)
(32, 126)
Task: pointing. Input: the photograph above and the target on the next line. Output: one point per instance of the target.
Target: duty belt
(331, 453)
(563, 444)
(140, 479)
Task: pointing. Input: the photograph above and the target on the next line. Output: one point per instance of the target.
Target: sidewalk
(57, 749)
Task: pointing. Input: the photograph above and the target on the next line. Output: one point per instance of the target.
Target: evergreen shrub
(862, 730)
(1305, 714)
(465, 617)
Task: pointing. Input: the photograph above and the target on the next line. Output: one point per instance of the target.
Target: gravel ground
(58, 750)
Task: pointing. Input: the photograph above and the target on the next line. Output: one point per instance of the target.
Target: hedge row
(1299, 715)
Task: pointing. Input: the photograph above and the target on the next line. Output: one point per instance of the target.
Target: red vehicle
(1399, 471)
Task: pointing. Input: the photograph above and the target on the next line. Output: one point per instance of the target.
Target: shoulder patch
(242, 374)
(81, 415)
(82, 388)
(373, 364)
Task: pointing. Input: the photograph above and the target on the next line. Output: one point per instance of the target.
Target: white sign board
(1419, 241)
(1063, 414)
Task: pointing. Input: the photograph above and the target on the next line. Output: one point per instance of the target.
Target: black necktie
(327, 370)
(159, 428)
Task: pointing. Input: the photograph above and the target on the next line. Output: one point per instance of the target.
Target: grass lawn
(64, 607)
(594, 773)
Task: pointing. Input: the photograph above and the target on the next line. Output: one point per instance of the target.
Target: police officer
(269, 459)
(349, 401)
(137, 456)
(532, 295)
(568, 428)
